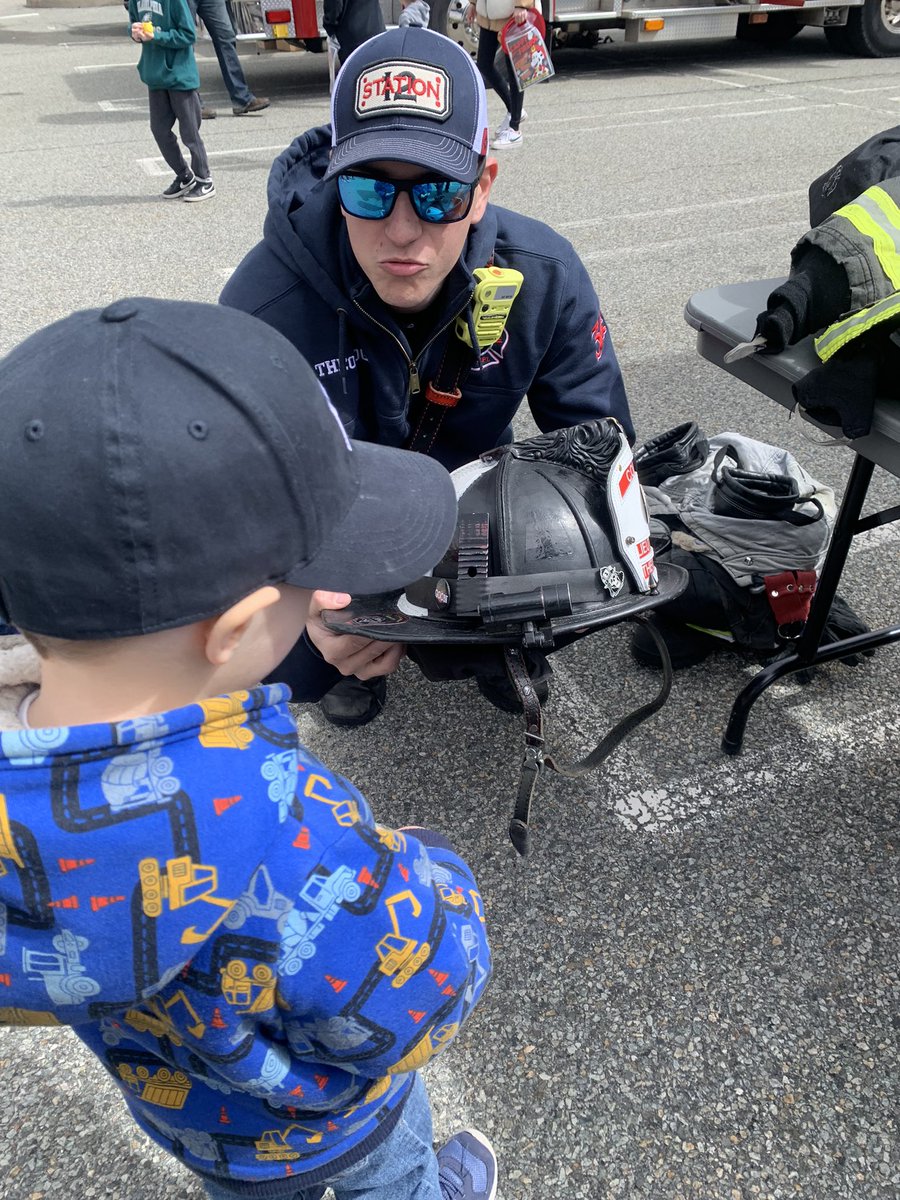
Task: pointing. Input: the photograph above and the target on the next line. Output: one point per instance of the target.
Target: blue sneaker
(467, 1167)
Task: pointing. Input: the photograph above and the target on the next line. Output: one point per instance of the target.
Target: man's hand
(359, 656)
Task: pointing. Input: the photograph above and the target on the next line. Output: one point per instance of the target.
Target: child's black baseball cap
(159, 460)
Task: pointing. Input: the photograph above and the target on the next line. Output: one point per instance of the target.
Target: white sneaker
(507, 139)
(504, 124)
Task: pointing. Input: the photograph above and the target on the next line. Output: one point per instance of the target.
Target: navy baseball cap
(160, 460)
(410, 95)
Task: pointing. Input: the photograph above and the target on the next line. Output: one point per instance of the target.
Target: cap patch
(403, 86)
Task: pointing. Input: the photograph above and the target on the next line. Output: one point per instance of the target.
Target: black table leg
(807, 652)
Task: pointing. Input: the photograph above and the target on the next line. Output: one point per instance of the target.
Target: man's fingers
(322, 601)
(382, 664)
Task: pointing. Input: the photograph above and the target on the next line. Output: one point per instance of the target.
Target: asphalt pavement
(696, 984)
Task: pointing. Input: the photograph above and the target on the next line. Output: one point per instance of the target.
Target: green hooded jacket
(167, 62)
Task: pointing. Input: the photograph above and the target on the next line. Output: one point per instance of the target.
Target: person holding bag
(491, 16)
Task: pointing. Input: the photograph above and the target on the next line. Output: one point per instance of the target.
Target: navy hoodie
(303, 279)
(258, 964)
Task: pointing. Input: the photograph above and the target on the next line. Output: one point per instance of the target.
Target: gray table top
(724, 316)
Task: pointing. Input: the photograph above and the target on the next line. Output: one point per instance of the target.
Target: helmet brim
(382, 618)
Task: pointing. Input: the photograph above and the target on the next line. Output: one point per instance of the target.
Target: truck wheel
(779, 28)
(448, 17)
(872, 31)
(314, 45)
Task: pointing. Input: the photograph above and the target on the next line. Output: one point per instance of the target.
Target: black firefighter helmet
(552, 542)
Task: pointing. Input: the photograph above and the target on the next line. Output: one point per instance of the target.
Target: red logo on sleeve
(598, 333)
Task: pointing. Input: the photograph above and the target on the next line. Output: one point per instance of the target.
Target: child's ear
(225, 632)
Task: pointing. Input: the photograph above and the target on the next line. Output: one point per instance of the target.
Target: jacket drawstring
(342, 347)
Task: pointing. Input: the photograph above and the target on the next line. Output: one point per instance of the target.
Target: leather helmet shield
(560, 515)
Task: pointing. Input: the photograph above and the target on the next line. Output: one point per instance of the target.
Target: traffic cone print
(440, 977)
(366, 878)
(69, 902)
(321, 1080)
(224, 1118)
(404, 871)
(217, 1022)
(222, 804)
(287, 1169)
(6, 980)
(301, 841)
(98, 902)
(337, 984)
(416, 1016)
(72, 864)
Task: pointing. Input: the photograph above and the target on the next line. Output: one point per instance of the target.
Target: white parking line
(18, 16)
(750, 74)
(731, 116)
(681, 209)
(668, 108)
(157, 166)
(132, 62)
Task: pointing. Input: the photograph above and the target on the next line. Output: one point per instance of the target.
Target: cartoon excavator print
(344, 810)
(273, 1144)
(256, 991)
(154, 1018)
(183, 882)
(401, 956)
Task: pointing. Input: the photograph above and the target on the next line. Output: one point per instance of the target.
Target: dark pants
(165, 108)
(507, 89)
(214, 16)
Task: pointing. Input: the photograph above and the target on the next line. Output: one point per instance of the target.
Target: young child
(167, 65)
(414, 12)
(259, 964)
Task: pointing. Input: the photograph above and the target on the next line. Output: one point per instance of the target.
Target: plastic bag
(527, 51)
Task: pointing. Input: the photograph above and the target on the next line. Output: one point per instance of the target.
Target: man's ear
(482, 193)
(225, 632)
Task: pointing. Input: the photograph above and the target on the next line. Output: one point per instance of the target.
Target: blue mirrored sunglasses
(438, 201)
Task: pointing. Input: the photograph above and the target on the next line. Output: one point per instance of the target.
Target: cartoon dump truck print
(166, 1088)
(62, 973)
(320, 900)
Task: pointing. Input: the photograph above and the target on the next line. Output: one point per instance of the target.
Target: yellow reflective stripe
(876, 217)
(841, 332)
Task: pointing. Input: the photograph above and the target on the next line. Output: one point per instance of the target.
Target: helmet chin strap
(537, 759)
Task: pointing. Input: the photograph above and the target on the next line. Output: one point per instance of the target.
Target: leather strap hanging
(442, 393)
(537, 759)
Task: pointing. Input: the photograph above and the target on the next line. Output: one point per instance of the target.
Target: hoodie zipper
(415, 383)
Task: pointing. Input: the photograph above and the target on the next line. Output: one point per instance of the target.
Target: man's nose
(403, 225)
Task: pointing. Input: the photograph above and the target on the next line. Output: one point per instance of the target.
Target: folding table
(724, 317)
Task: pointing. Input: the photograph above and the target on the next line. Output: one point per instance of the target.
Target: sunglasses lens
(442, 200)
(371, 199)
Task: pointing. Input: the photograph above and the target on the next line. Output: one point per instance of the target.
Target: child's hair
(68, 649)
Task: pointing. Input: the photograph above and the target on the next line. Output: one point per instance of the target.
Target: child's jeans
(402, 1167)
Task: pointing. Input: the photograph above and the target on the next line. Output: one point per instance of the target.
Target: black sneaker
(179, 185)
(501, 693)
(202, 189)
(257, 104)
(354, 702)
